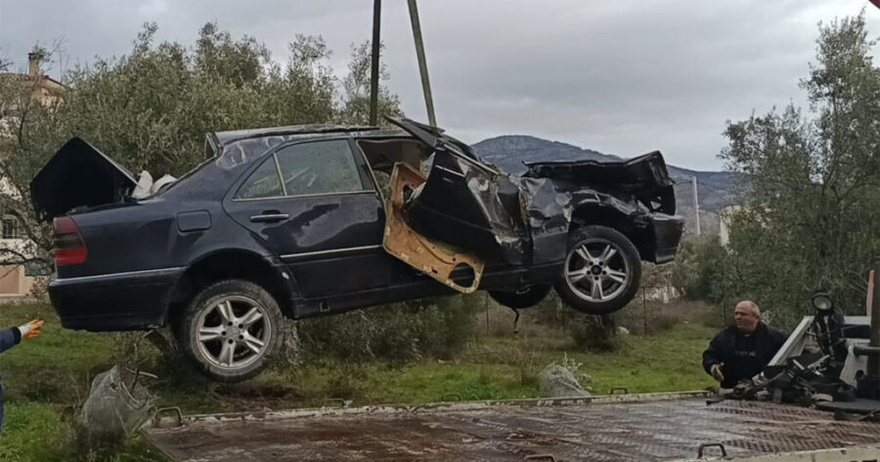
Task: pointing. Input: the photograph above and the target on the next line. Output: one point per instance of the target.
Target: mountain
(715, 189)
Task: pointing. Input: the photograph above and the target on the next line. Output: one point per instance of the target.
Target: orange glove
(31, 329)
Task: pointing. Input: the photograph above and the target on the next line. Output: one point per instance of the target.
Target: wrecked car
(310, 221)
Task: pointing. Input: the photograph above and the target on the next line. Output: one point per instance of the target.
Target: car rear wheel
(525, 298)
(231, 330)
(602, 271)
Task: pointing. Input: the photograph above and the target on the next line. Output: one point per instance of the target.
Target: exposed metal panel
(649, 431)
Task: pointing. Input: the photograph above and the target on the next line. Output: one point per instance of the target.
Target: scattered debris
(146, 186)
(558, 382)
(118, 405)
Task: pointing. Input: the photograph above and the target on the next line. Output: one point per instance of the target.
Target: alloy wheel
(596, 270)
(234, 332)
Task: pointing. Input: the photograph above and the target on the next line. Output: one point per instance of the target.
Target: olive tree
(812, 203)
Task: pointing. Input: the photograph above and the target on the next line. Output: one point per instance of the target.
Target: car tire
(231, 330)
(601, 272)
(525, 298)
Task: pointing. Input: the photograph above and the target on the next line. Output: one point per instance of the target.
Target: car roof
(292, 132)
(237, 147)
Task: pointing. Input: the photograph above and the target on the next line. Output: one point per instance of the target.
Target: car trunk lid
(78, 175)
(643, 174)
(645, 177)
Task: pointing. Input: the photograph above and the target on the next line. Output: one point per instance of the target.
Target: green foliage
(595, 333)
(401, 332)
(240, 62)
(356, 103)
(698, 272)
(32, 432)
(812, 201)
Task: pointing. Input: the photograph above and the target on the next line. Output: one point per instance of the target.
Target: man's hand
(31, 329)
(716, 372)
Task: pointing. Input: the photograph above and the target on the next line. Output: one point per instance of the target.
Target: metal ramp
(656, 427)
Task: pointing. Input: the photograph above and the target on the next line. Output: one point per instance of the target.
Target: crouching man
(11, 337)
(741, 351)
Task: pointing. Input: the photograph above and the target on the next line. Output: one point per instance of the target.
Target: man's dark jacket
(722, 349)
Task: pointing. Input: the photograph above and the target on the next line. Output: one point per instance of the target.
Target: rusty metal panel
(648, 431)
(431, 258)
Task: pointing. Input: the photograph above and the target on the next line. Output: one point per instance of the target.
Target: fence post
(486, 300)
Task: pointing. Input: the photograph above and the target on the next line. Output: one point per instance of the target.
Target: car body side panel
(331, 242)
(120, 301)
(137, 252)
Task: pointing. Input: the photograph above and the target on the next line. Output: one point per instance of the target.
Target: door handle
(269, 216)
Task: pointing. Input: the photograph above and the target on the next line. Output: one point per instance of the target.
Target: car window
(264, 182)
(323, 167)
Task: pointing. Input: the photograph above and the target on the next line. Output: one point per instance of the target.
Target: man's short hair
(752, 305)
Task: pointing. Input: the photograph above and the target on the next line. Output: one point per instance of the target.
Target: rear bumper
(667, 235)
(114, 302)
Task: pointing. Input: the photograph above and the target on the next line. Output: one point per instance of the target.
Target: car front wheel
(231, 330)
(602, 271)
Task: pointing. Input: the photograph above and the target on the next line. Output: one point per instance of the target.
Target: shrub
(438, 327)
(595, 333)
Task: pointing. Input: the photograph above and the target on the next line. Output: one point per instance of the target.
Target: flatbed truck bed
(648, 427)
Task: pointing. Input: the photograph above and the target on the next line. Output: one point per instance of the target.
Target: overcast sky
(621, 77)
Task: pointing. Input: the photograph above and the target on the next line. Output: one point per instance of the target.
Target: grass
(47, 379)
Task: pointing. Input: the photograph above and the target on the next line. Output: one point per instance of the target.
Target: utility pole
(873, 364)
(423, 64)
(374, 77)
(696, 203)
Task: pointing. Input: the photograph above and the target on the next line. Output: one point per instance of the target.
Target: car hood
(78, 175)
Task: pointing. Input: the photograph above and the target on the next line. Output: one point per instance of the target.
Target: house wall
(12, 278)
(14, 282)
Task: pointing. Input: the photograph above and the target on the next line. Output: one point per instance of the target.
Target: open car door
(464, 202)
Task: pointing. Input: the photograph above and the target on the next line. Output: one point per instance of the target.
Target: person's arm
(714, 354)
(14, 335)
(9, 338)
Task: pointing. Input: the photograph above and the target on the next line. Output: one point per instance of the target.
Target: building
(17, 280)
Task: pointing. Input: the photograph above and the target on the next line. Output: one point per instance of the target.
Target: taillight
(69, 248)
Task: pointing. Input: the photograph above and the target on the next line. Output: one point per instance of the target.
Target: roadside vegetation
(47, 380)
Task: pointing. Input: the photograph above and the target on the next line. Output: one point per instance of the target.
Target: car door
(314, 204)
(465, 202)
